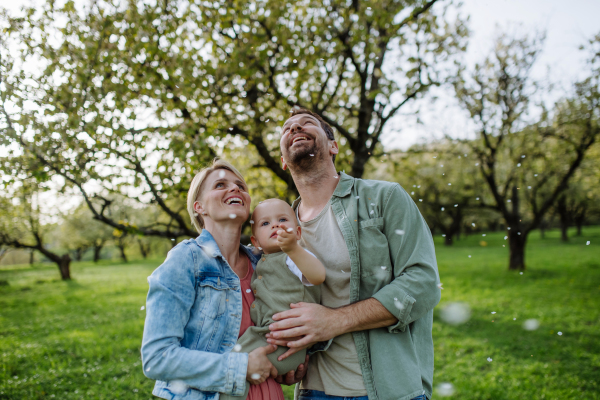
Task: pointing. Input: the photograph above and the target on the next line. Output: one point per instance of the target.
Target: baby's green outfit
(274, 287)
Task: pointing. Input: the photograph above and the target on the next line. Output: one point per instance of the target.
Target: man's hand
(311, 322)
(293, 377)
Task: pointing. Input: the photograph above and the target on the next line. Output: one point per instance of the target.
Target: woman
(199, 301)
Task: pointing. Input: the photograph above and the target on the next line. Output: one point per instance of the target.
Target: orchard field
(81, 339)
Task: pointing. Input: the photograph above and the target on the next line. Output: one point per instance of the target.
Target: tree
(21, 224)
(442, 179)
(133, 98)
(79, 232)
(526, 167)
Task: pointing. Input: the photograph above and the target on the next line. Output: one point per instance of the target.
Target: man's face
(303, 141)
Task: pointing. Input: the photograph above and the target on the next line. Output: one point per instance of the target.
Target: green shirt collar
(343, 188)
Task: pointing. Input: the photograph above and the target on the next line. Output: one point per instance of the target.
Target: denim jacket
(193, 316)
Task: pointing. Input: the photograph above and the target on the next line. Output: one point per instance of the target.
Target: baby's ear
(254, 241)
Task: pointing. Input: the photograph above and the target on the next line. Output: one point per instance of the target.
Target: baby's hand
(286, 239)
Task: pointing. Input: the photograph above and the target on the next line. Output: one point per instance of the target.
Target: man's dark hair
(324, 125)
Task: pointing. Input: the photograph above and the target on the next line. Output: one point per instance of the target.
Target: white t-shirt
(296, 271)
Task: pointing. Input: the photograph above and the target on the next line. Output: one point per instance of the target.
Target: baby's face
(269, 217)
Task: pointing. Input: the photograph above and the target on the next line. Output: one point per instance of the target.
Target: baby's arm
(309, 265)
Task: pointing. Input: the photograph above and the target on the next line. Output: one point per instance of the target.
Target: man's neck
(315, 189)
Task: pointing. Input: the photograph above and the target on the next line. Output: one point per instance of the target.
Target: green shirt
(392, 260)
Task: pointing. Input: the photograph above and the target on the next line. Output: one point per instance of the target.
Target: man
(382, 279)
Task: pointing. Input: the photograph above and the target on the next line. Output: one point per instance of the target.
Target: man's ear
(283, 164)
(333, 148)
(254, 242)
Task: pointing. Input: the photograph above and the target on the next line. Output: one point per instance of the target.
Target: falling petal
(289, 229)
(255, 376)
(237, 348)
(559, 333)
(445, 389)
(531, 324)
(489, 359)
(399, 232)
(398, 304)
(178, 387)
(232, 216)
(455, 313)
(142, 308)
(222, 174)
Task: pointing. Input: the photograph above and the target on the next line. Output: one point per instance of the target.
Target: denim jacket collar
(210, 246)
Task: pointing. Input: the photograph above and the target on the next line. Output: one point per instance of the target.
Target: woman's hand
(259, 366)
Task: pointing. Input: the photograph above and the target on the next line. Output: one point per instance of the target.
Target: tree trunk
(31, 256)
(97, 251)
(448, 240)
(561, 209)
(516, 243)
(543, 229)
(64, 266)
(144, 250)
(123, 255)
(79, 253)
(579, 219)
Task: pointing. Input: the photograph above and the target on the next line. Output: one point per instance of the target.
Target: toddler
(286, 273)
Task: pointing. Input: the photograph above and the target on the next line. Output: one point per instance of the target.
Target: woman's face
(223, 198)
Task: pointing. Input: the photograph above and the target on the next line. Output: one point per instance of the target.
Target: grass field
(81, 339)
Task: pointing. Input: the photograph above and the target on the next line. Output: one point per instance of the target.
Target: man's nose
(296, 126)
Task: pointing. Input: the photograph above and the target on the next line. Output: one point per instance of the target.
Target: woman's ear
(198, 208)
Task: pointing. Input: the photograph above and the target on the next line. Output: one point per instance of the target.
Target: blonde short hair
(196, 186)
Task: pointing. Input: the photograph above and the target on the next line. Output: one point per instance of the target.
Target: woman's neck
(227, 237)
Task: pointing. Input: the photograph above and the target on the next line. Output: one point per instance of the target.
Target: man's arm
(411, 294)
(316, 323)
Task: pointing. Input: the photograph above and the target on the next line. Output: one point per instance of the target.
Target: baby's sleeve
(296, 271)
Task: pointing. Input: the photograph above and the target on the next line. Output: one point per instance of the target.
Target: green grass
(80, 339)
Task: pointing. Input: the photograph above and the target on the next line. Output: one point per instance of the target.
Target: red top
(269, 389)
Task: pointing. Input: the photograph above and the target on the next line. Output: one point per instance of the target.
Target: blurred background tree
(122, 103)
(22, 224)
(134, 98)
(527, 165)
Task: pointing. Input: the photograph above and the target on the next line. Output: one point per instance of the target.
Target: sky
(567, 25)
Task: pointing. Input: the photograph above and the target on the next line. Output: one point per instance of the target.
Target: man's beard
(304, 157)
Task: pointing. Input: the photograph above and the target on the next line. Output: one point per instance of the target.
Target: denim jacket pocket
(212, 295)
